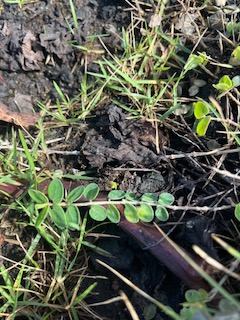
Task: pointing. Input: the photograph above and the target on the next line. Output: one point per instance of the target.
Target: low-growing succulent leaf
(91, 191)
(145, 212)
(116, 195)
(73, 217)
(149, 197)
(237, 211)
(166, 199)
(202, 126)
(38, 196)
(113, 213)
(200, 109)
(98, 213)
(58, 216)
(224, 84)
(75, 194)
(161, 214)
(56, 191)
(130, 213)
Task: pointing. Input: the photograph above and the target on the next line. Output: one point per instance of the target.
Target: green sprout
(235, 57)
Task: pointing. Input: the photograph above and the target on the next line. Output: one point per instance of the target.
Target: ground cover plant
(135, 123)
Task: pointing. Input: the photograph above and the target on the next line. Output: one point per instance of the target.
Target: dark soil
(35, 50)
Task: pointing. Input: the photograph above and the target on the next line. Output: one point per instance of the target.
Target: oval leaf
(130, 196)
(193, 62)
(38, 196)
(225, 83)
(191, 296)
(236, 81)
(166, 199)
(145, 212)
(58, 216)
(149, 197)
(56, 191)
(235, 57)
(73, 217)
(116, 195)
(161, 214)
(221, 86)
(98, 213)
(237, 211)
(202, 126)
(91, 191)
(200, 109)
(113, 214)
(130, 213)
(75, 194)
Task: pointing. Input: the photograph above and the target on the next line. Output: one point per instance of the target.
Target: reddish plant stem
(154, 241)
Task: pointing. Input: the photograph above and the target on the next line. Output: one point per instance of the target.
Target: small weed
(64, 211)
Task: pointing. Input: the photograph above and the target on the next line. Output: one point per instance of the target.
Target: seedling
(235, 57)
(225, 83)
(204, 112)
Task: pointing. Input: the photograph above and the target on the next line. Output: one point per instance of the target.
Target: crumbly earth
(36, 49)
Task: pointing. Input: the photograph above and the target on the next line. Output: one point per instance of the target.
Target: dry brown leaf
(20, 119)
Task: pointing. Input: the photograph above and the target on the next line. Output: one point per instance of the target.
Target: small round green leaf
(200, 109)
(193, 62)
(150, 311)
(237, 211)
(233, 27)
(202, 126)
(130, 196)
(116, 195)
(130, 213)
(161, 214)
(236, 53)
(75, 194)
(72, 217)
(224, 84)
(149, 197)
(98, 213)
(58, 216)
(56, 191)
(91, 191)
(236, 81)
(203, 294)
(166, 199)
(145, 212)
(192, 296)
(38, 196)
(113, 214)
